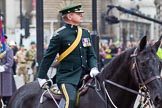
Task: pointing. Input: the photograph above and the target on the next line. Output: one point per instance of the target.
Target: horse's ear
(157, 43)
(142, 43)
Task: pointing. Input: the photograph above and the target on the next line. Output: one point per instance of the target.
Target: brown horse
(135, 69)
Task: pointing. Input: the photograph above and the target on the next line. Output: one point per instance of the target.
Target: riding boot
(6, 100)
(62, 103)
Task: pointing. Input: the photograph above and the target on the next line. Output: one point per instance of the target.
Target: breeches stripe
(66, 95)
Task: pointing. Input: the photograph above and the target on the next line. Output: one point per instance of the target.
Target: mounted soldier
(74, 65)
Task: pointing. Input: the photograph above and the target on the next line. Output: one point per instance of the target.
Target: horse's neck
(120, 75)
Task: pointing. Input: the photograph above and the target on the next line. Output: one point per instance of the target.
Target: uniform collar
(74, 27)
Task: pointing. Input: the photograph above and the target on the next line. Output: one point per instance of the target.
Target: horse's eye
(143, 64)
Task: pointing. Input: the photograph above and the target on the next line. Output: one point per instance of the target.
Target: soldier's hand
(2, 69)
(45, 84)
(94, 71)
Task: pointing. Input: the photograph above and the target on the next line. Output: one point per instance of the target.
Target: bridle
(138, 77)
(137, 73)
(142, 83)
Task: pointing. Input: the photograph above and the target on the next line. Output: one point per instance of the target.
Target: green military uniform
(76, 64)
(30, 57)
(79, 62)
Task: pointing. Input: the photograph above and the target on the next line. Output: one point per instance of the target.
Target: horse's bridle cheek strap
(138, 74)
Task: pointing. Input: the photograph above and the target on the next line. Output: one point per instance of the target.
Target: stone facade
(158, 4)
(52, 18)
(52, 7)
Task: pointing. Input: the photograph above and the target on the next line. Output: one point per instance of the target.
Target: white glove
(45, 83)
(2, 69)
(94, 71)
(41, 81)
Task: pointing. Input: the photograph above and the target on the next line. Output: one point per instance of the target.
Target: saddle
(86, 80)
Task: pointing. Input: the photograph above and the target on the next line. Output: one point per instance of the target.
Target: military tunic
(22, 64)
(30, 58)
(77, 63)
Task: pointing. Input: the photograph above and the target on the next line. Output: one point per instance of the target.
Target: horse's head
(146, 65)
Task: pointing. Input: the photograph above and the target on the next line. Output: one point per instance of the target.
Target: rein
(42, 97)
(97, 88)
(125, 88)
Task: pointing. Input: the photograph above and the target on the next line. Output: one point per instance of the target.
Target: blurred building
(53, 19)
(11, 10)
(158, 4)
(132, 27)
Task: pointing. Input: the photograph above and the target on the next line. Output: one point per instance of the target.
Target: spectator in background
(30, 58)
(14, 48)
(159, 52)
(102, 57)
(7, 83)
(114, 50)
(21, 63)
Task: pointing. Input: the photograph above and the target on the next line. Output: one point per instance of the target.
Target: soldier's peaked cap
(71, 8)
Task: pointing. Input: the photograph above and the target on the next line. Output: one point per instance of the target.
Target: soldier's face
(76, 18)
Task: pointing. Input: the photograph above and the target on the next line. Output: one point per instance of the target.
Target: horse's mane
(118, 61)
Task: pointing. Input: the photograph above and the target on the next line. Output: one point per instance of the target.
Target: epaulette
(87, 29)
(58, 30)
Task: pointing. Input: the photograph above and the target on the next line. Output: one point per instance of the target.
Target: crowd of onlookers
(24, 60)
(15, 60)
(109, 50)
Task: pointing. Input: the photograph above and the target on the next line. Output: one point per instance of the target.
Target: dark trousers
(6, 100)
(69, 94)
